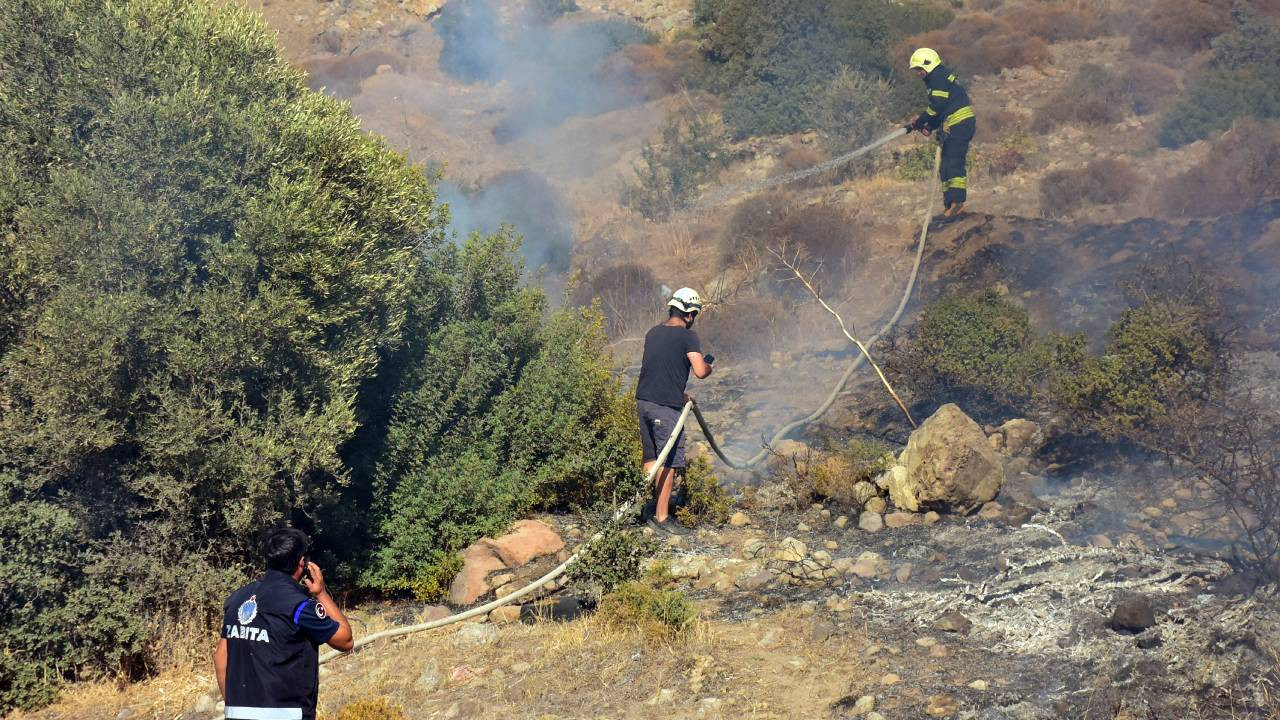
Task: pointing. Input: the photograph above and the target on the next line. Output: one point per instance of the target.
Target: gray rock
(430, 679)
(870, 521)
(475, 634)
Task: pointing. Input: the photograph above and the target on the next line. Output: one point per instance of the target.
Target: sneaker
(668, 526)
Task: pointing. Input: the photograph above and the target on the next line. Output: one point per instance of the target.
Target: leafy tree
(669, 173)
(202, 260)
(499, 412)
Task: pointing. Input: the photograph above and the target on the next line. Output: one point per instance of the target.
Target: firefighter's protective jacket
(948, 101)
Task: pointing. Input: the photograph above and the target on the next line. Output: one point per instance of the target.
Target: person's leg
(955, 154)
(662, 491)
(649, 443)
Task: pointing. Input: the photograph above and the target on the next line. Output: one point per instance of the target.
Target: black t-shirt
(273, 628)
(664, 371)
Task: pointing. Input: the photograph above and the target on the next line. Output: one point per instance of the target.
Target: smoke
(523, 200)
(552, 67)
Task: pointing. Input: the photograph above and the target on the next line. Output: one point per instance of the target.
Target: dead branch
(792, 264)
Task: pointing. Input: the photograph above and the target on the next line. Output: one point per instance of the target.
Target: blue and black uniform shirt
(273, 629)
(948, 101)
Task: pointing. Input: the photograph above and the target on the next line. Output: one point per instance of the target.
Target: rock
(842, 521)
(431, 613)
(864, 705)
(869, 565)
(940, 706)
(990, 511)
(1184, 494)
(739, 519)
(926, 642)
(475, 634)
(822, 557)
(1169, 504)
(1021, 437)
(831, 545)
(931, 518)
(875, 505)
(844, 565)
(822, 630)
(1150, 641)
(790, 550)
(954, 622)
(870, 521)
(754, 548)
(1101, 541)
(903, 573)
(527, 540)
(895, 520)
(949, 464)
(753, 580)
(505, 614)
(205, 704)
(803, 527)
(430, 679)
(979, 685)
(1132, 614)
(469, 584)
(895, 474)
(939, 651)
(864, 491)
(873, 715)
(1152, 512)
(501, 579)
(890, 679)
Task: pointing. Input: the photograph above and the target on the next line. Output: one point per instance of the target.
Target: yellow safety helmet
(925, 58)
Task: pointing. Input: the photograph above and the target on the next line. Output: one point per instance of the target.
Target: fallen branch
(792, 266)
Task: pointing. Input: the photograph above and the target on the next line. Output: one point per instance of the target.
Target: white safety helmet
(686, 300)
(926, 58)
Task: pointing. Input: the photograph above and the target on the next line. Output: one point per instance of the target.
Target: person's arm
(342, 640)
(220, 666)
(698, 364)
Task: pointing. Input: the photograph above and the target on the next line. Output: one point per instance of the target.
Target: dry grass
(1180, 26)
(982, 44)
(1242, 168)
(1105, 181)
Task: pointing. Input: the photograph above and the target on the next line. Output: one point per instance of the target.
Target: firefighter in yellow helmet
(950, 115)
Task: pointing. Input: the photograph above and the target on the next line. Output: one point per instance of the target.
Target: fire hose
(689, 407)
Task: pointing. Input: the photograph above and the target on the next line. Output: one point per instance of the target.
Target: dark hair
(283, 548)
(673, 311)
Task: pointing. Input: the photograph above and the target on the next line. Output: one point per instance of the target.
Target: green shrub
(916, 162)
(980, 349)
(636, 603)
(774, 62)
(488, 424)
(705, 499)
(1166, 351)
(611, 560)
(669, 173)
(1239, 82)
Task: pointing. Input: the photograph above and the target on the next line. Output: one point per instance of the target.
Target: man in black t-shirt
(267, 661)
(671, 350)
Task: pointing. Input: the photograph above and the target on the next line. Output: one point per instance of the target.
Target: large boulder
(528, 539)
(470, 583)
(948, 465)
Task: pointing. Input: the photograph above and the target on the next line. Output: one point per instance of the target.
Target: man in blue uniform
(950, 114)
(671, 350)
(267, 660)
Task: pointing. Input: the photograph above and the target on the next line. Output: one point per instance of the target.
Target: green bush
(1239, 82)
(774, 62)
(846, 464)
(615, 558)
(705, 499)
(669, 173)
(916, 162)
(499, 412)
(980, 349)
(636, 603)
(1165, 352)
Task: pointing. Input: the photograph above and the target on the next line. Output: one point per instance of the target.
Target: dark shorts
(656, 423)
